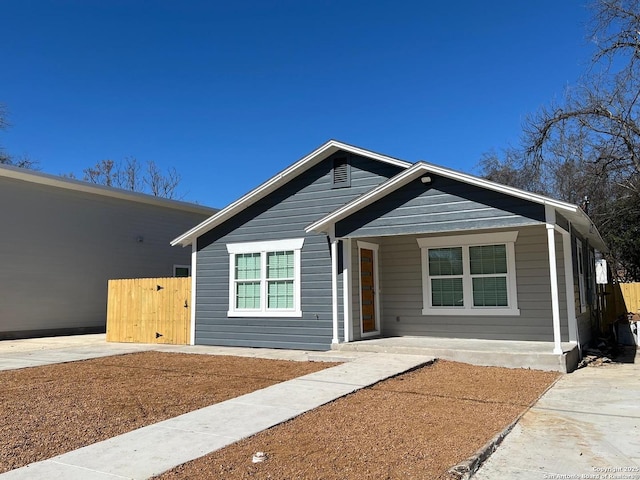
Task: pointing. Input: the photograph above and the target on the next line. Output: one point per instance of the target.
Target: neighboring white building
(61, 240)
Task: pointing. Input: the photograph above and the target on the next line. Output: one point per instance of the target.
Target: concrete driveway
(586, 426)
(34, 352)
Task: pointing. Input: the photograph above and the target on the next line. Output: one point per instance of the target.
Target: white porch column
(194, 262)
(347, 286)
(334, 289)
(553, 277)
(574, 335)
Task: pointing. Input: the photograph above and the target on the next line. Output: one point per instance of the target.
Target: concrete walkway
(151, 450)
(586, 426)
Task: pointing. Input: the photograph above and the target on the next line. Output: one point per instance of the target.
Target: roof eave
(585, 226)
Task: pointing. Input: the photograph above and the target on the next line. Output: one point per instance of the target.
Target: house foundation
(496, 353)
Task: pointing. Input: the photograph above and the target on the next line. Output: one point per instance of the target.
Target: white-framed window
(581, 282)
(469, 274)
(264, 278)
(181, 270)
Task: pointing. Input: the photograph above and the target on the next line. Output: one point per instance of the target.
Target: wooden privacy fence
(621, 298)
(631, 296)
(149, 310)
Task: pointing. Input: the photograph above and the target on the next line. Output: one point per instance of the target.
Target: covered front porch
(471, 270)
(382, 290)
(499, 353)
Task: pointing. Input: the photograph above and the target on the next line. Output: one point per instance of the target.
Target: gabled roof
(275, 182)
(32, 176)
(572, 212)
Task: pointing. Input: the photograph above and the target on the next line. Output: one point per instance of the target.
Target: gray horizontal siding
(442, 206)
(60, 247)
(562, 222)
(401, 294)
(282, 214)
(587, 320)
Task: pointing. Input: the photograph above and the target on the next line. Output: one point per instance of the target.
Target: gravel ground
(49, 410)
(416, 425)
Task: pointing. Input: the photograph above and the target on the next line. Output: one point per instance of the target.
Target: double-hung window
(264, 278)
(469, 274)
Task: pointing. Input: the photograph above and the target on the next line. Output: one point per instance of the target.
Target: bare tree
(586, 149)
(159, 184)
(103, 173)
(598, 122)
(131, 175)
(5, 158)
(510, 168)
(4, 123)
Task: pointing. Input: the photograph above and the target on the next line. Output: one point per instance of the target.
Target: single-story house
(348, 244)
(64, 239)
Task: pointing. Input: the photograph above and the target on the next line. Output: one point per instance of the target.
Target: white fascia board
(40, 178)
(368, 153)
(277, 181)
(512, 191)
(581, 222)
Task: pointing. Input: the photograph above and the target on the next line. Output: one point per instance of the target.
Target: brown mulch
(49, 410)
(414, 426)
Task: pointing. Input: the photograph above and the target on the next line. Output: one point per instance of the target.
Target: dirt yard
(416, 425)
(49, 410)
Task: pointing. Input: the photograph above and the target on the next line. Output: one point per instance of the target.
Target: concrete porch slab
(497, 353)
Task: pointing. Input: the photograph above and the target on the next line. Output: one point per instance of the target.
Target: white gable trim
(315, 157)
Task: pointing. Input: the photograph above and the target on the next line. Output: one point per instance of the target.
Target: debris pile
(600, 355)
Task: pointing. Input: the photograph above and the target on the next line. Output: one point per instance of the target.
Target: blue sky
(229, 93)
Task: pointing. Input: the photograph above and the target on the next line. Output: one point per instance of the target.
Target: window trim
(465, 241)
(176, 266)
(264, 247)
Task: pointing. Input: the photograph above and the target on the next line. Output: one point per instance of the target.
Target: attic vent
(341, 172)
